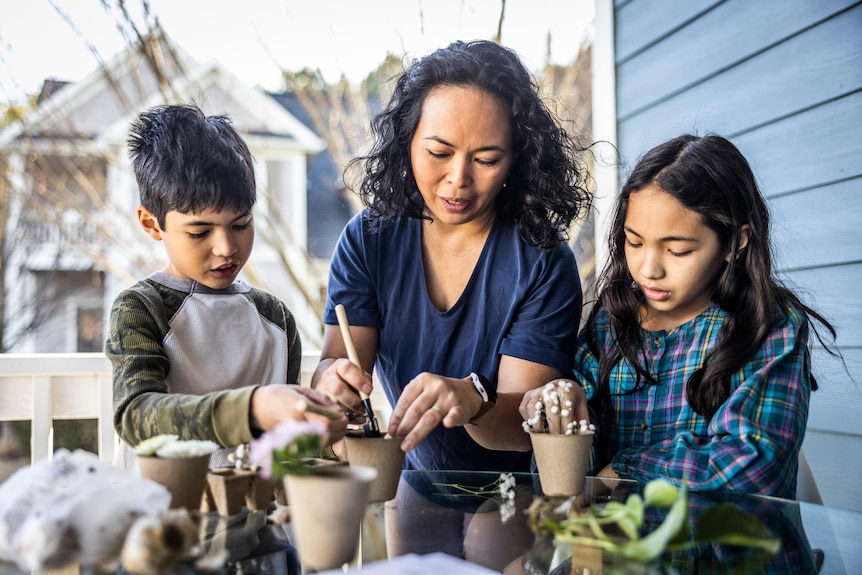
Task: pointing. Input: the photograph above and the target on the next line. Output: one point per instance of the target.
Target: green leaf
(726, 523)
(635, 510)
(674, 526)
(611, 508)
(629, 527)
(296, 458)
(721, 523)
(660, 493)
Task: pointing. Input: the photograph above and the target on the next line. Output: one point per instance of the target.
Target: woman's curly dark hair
(546, 189)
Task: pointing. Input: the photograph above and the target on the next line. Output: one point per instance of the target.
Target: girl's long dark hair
(546, 189)
(710, 176)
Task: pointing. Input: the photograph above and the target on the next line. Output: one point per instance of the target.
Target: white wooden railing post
(42, 387)
(42, 438)
(107, 435)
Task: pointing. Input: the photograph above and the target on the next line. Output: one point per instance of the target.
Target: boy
(195, 352)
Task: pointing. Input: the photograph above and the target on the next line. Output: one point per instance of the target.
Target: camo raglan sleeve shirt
(186, 358)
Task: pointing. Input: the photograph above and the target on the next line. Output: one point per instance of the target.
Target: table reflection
(462, 514)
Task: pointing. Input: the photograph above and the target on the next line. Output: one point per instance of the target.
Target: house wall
(783, 81)
(90, 123)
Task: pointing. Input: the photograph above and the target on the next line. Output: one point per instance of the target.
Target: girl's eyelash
(242, 226)
(679, 254)
(632, 244)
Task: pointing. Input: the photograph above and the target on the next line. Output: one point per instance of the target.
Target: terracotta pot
(326, 511)
(184, 477)
(229, 487)
(562, 461)
(383, 454)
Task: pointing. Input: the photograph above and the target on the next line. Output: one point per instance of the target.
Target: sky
(257, 39)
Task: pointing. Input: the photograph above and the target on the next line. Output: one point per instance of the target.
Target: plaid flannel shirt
(752, 442)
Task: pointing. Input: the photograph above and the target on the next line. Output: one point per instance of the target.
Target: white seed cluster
(187, 448)
(241, 458)
(554, 402)
(507, 494)
(507, 486)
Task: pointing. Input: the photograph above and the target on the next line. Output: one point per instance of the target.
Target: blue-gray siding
(783, 80)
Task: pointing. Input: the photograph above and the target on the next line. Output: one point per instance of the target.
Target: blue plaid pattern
(752, 442)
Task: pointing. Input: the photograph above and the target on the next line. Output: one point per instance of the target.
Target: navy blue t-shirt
(521, 301)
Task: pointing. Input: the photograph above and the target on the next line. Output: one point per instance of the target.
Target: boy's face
(208, 247)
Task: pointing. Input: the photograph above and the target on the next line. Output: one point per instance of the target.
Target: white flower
(507, 510)
(554, 395)
(187, 448)
(507, 486)
(169, 445)
(507, 494)
(150, 445)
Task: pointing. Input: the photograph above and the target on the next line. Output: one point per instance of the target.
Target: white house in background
(66, 268)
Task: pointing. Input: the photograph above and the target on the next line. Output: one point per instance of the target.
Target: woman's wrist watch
(483, 388)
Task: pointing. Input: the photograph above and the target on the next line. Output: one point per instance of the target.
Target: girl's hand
(572, 406)
(427, 401)
(342, 381)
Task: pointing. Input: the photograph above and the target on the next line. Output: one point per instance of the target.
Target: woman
(457, 280)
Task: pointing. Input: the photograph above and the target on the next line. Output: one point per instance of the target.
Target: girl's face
(673, 257)
(461, 153)
(209, 247)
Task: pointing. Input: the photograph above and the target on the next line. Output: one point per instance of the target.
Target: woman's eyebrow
(488, 148)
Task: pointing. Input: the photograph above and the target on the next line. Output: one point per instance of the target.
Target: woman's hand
(429, 400)
(337, 376)
(272, 404)
(342, 381)
(572, 406)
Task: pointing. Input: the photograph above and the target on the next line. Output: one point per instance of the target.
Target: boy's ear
(744, 234)
(149, 223)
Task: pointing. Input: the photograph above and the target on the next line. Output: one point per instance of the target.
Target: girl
(694, 362)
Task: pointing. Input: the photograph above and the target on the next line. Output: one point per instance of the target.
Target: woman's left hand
(427, 401)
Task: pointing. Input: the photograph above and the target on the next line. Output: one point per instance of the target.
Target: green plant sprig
(488, 490)
(721, 523)
(293, 458)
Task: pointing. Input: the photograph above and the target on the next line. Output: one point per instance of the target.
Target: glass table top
(461, 514)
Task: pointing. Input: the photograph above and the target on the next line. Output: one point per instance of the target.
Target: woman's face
(461, 153)
(672, 255)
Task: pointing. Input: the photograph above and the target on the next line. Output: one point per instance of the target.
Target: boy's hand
(272, 404)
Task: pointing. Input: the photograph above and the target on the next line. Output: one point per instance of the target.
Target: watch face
(477, 383)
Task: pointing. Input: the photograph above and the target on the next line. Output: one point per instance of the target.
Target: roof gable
(100, 108)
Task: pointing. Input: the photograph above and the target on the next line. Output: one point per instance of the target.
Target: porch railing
(44, 387)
